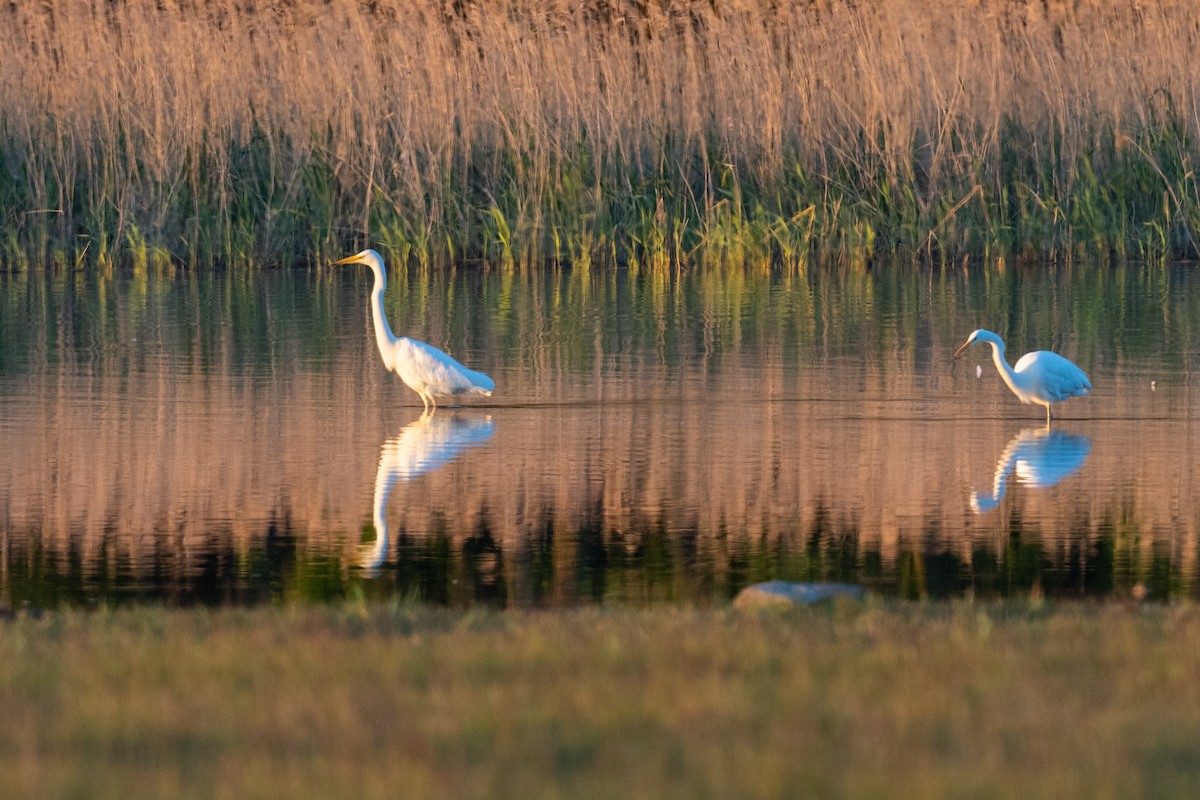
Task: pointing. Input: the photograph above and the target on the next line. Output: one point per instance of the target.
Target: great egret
(426, 443)
(426, 370)
(1040, 377)
(1040, 458)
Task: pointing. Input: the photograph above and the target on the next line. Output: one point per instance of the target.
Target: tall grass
(863, 700)
(656, 134)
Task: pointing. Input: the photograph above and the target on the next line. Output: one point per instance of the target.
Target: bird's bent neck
(384, 337)
(1006, 372)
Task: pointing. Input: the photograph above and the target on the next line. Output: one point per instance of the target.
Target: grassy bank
(655, 134)
(860, 700)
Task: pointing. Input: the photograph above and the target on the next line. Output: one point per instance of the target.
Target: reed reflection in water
(216, 437)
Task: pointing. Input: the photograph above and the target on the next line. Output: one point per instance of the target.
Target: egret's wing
(1050, 456)
(427, 443)
(1053, 377)
(421, 364)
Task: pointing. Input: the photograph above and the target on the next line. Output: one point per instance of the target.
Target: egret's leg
(1047, 415)
(425, 402)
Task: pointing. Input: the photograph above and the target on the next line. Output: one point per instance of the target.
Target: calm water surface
(234, 438)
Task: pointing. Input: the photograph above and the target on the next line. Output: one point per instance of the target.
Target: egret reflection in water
(431, 441)
(1040, 457)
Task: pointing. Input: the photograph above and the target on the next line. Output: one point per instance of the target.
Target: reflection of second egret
(1040, 458)
(431, 441)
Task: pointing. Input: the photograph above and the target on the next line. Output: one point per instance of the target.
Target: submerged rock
(782, 593)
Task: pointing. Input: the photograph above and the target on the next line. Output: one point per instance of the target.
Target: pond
(233, 438)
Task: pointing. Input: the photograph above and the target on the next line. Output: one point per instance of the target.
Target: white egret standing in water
(1040, 377)
(426, 370)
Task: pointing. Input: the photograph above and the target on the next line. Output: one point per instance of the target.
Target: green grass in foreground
(860, 700)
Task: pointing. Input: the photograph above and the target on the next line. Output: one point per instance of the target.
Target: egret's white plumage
(425, 369)
(1040, 377)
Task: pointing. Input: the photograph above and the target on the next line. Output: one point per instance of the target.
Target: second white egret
(1040, 377)
(426, 370)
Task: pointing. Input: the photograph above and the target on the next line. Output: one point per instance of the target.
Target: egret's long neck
(383, 332)
(385, 479)
(986, 502)
(1004, 466)
(1006, 372)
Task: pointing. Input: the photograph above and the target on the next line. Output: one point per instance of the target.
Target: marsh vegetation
(658, 135)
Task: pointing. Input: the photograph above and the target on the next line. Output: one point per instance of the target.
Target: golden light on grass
(860, 699)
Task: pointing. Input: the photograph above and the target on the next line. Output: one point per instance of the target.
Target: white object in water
(1039, 377)
(426, 370)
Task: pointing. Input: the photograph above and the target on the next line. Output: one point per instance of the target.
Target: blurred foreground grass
(868, 700)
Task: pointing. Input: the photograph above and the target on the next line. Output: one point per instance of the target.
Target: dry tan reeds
(552, 128)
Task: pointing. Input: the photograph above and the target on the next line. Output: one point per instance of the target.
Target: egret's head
(368, 257)
(972, 339)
